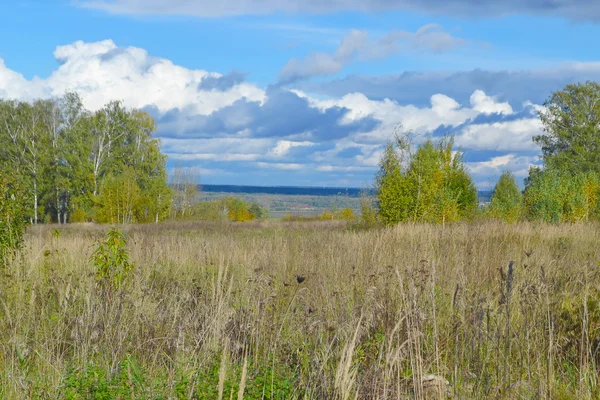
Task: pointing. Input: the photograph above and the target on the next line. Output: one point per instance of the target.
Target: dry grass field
(218, 311)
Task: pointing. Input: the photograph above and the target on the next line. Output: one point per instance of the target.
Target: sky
(307, 93)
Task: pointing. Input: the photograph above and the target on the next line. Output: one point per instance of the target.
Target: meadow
(315, 310)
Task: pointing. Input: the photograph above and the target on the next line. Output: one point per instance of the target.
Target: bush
(345, 214)
(111, 260)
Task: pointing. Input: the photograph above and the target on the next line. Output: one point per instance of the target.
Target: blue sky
(281, 92)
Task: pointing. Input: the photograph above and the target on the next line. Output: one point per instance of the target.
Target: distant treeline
(286, 190)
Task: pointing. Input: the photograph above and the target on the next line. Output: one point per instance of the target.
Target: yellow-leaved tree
(428, 183)
(119, 200)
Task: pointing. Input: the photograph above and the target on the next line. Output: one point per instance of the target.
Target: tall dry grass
(388, 314)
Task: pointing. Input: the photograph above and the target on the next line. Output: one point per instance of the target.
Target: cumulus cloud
(486, 172)
(222, 123)
(356, 45)
(513, 86)
(283, 114)
(221, 82)
(575, 9)
(102, 72)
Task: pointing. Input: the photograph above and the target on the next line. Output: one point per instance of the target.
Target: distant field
(282, 204)
(302, 201)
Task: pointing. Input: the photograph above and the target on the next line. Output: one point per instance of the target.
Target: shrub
(238, 210)
(345, 214)
(111, 260)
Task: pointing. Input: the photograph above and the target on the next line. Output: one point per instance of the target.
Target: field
(296, 201)
(211, 311)
(297, 205)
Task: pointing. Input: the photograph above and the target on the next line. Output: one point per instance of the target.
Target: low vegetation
(345, 214)
(311, 311)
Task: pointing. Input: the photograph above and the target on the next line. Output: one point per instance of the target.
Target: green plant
(12, 221)
(111, 259)
(507, 202)
(95, 382)
(261, 383)
(429, 184)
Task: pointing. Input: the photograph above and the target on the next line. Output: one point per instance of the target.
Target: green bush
(111, 260)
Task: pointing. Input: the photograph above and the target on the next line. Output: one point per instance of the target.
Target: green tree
(12, 216)
(119, 200)
(426, 177)
(108, 129)
(571, 121)
(393, 194)
(435, 187)
(457, 179)
(258, 211)
(237, 209)
(157, 200)
(507, 201)
(76, 180)
(26, 148)
(61, 155)
(554, 196)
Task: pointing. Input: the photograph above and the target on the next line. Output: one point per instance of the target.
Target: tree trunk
(35, 202)
(57, 206)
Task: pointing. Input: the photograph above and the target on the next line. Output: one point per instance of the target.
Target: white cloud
(284, 166)
(489, 170)
(488, 104)
(13, 85)
(338, 168)
(504, 136)
(216, 145)
(442, 111)
(283, 147)
(512, 135)
(221, 157)
(356, 45)
(102, 72)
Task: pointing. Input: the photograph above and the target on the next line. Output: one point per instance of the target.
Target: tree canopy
(571, 121)
(71, 162)
(429, 183)
(507, 202)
